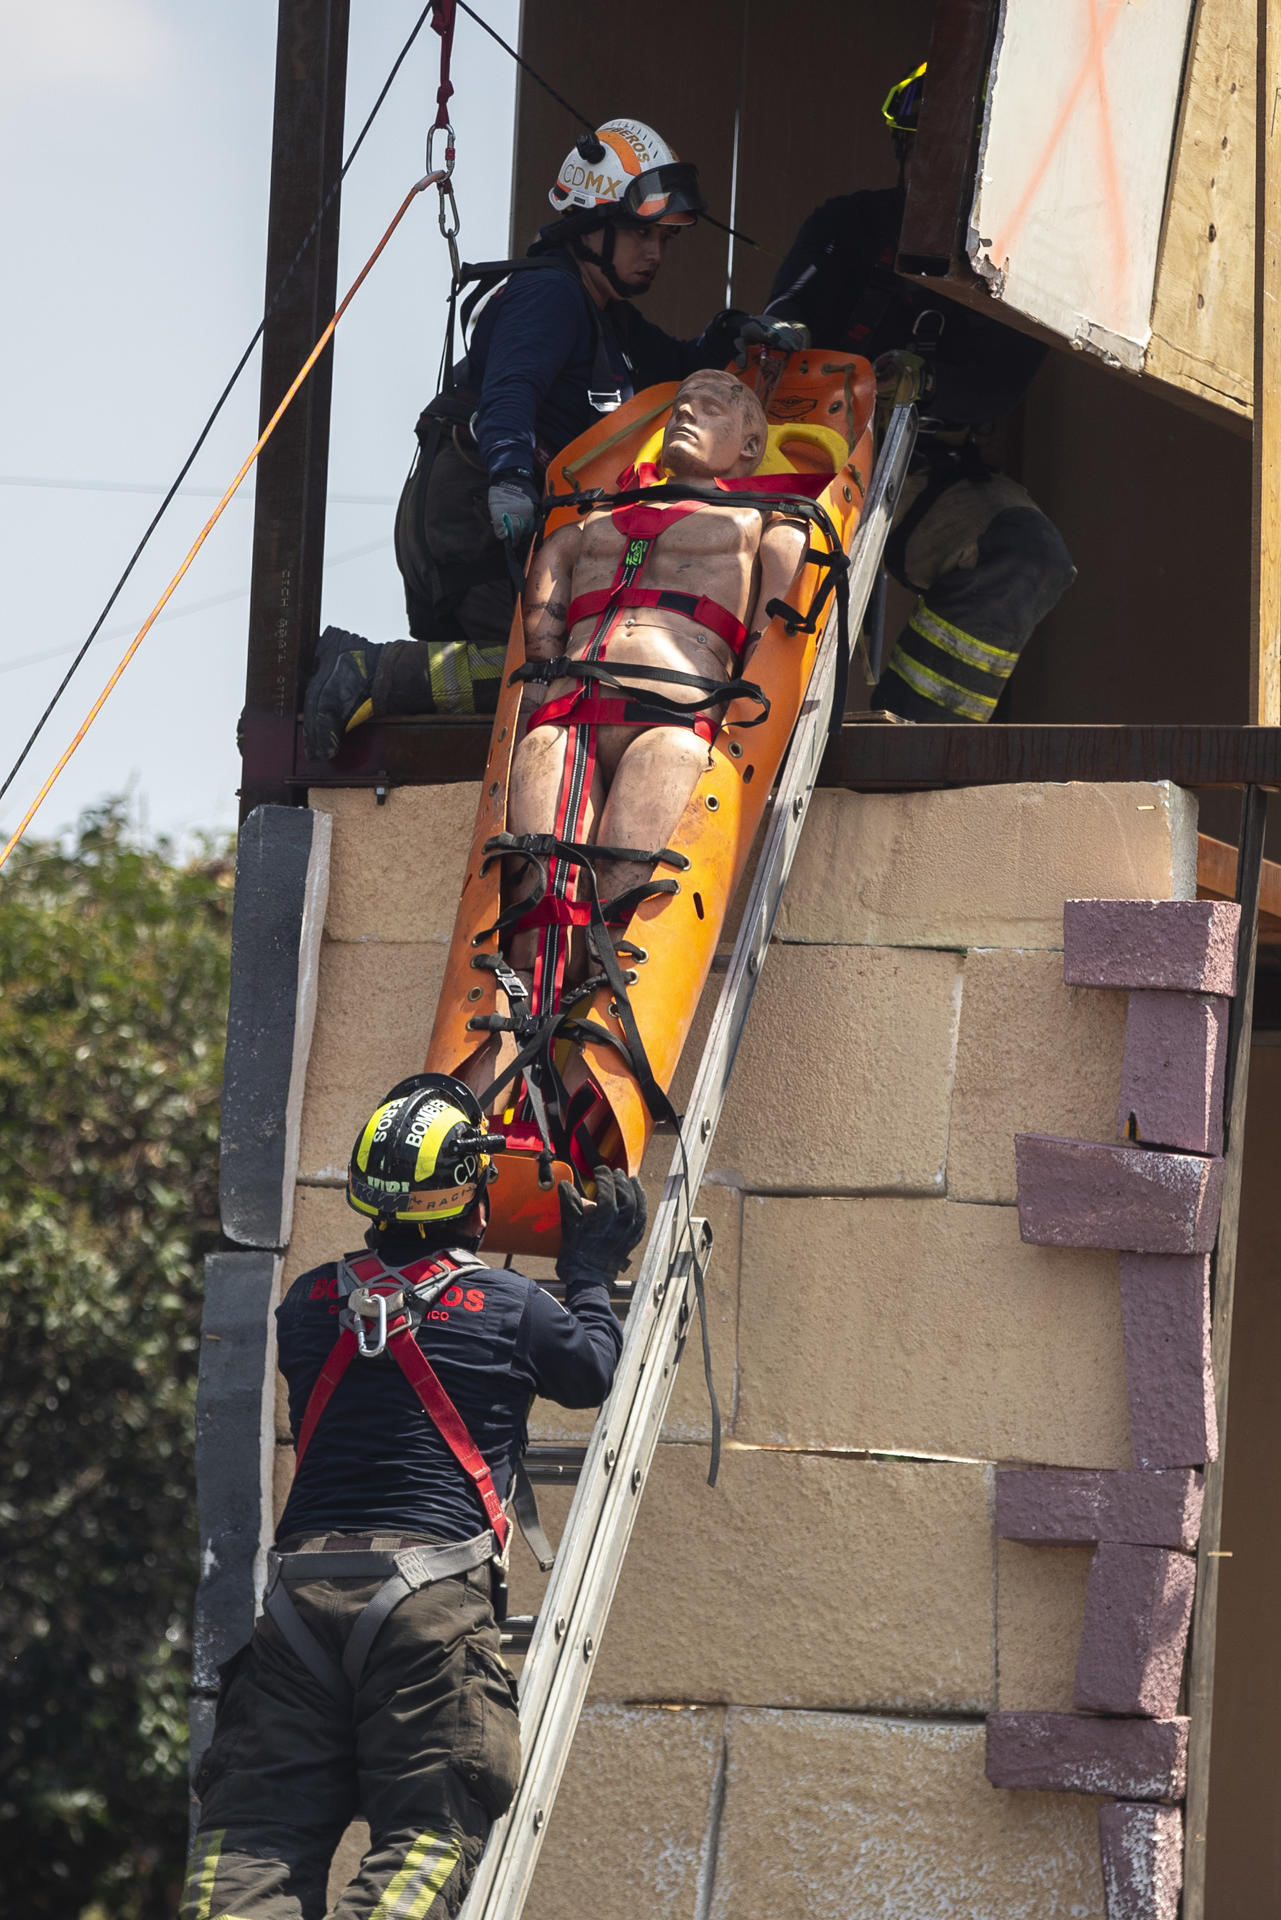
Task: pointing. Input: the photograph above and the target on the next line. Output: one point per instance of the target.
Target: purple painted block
(1055, 1507)
(1075, 1753)
(1165, 1311)
(1172, 1081)
(1077, 1193)
(1142, 1851)
(1187, 946)
(1138, 1608)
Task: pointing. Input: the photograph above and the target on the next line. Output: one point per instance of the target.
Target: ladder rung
(517, 1631)
(554, 1464)
(620, 1291)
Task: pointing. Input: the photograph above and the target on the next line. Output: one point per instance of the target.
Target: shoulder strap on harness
(604, 393)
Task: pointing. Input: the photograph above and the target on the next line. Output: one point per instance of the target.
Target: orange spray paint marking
(1100, 31)
(428, 180)
(1111, 171)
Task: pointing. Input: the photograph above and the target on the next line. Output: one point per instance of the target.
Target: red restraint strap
(650, 474)
(555, 913)
(697, 607)
(578, 709)
(422, 1377)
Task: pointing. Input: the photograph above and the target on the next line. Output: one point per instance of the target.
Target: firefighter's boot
(341, 685)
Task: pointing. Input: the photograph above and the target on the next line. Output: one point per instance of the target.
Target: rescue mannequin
(729, 561)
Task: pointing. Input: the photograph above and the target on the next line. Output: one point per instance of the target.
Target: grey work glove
(597, 1238)
(776, 336)
(513, 505)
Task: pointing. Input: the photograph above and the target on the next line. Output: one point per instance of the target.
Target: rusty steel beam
(289, 511)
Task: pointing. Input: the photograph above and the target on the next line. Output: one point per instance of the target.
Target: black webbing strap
(537, 849)
(304, 1643)
(402, 1573)
(525, 1507)
(716, 693)
(416, 1567)
(489, 274)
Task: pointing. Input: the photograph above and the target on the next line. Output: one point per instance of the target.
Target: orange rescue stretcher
(820, 416)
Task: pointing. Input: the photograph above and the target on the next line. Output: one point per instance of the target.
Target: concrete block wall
(788, 1706)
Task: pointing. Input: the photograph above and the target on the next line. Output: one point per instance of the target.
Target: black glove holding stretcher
(598, 1237)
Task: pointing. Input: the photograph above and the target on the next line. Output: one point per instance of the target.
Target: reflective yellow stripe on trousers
(944, 693)
(428, 1865)
(964, 646)
(454, 669)
(976, 660)
(202, 1869)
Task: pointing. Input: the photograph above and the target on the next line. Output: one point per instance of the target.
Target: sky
(135, 141)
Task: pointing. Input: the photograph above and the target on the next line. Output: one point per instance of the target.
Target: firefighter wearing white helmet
(625, 185)
(558, 344)
(374, 1679)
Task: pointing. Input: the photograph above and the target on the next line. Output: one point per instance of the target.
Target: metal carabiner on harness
(363, 1304)
(448, 218)
(448, 132)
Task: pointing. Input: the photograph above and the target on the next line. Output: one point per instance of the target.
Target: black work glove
(776, 336)
(513, 504)
(596, 1239)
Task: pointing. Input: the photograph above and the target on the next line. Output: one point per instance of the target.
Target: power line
(525, 67)
(192, 606)
(584, 121)
(205, 431)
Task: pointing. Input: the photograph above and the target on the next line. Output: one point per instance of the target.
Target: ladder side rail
(664, 1246)
(589, 1563)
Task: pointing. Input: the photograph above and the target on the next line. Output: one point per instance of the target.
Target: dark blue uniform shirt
(375, 1462)
(532, 356)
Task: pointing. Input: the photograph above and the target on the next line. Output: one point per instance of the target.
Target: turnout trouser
(426, 1747)
(988, 566)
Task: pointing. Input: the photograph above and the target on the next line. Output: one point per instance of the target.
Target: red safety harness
(375, 1280)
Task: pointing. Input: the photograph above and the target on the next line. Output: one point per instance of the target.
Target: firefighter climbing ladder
(611, 1472)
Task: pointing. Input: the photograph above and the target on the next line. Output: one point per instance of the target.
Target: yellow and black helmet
(901, 110)
(422, 1157)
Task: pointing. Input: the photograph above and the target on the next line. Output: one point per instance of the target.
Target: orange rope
(428, 180)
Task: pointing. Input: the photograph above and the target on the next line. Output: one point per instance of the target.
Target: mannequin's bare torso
(643, 776)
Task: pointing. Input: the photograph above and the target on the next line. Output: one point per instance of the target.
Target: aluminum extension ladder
(611, 1471)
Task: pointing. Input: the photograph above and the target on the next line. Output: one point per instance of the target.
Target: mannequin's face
(709, 435)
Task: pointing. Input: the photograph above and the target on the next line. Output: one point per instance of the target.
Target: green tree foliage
(113, 984)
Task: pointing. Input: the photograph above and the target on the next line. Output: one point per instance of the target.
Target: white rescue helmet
(626, 171)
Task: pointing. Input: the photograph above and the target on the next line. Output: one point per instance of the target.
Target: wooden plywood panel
(812, 123)
(672, 64)
(1081, 108)
(1203, 313)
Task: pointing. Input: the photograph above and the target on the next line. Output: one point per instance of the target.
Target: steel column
(289, 513)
